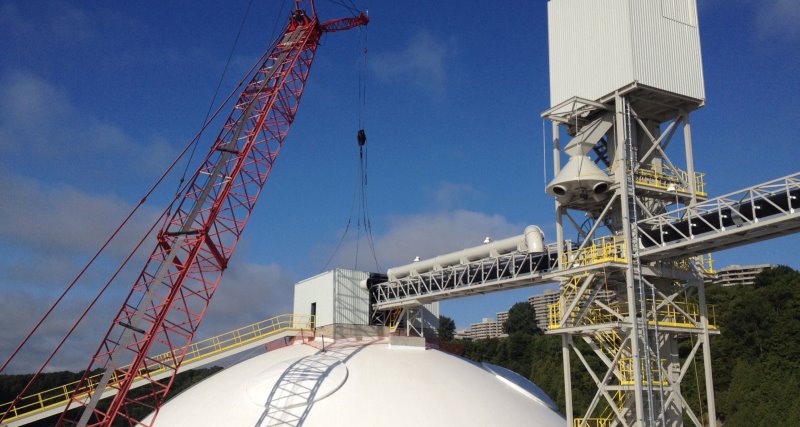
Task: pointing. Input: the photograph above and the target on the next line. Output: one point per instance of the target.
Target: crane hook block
(362, 137)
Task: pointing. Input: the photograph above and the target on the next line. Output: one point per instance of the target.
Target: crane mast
(170, 296)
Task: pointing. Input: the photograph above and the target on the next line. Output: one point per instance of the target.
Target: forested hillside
(756, 359)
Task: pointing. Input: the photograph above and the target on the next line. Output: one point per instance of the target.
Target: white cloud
(449, 195)
(47, 234)
(779, 19)
(61, 219)
(769, 19)
(31, 112)
(51, 230)
(69, 22)
(423, 63)
(38, 120)
(428, 235)
(60, 20)
(248, 292)
(424, 235)
(23, 309)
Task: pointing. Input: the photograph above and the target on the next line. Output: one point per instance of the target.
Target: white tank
(360, 383)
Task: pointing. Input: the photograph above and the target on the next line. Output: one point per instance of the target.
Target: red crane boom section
(169, 299)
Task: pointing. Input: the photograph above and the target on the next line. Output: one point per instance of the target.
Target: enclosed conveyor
(748, 210)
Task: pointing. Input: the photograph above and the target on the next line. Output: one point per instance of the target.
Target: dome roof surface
(360, 383)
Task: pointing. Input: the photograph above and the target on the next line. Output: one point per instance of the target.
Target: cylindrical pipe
(532, 240)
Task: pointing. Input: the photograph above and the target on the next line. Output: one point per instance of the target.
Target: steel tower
(623, 94)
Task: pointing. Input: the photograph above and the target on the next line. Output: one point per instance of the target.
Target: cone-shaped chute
(580, 179)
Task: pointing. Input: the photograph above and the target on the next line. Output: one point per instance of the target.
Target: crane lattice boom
(168, 300)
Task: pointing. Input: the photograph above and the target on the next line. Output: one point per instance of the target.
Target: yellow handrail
(41, 401)
(664, 178)
(598, 251)
(395, 317)
(667, 315)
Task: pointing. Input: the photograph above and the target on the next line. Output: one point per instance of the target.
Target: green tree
(446, 329)
(756, 358)
(521, 318)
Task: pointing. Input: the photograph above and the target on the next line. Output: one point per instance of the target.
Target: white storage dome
(360, 383)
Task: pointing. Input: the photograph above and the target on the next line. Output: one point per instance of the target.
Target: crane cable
(360, 194)
(219, 85)
(164, 216)
(363, 151)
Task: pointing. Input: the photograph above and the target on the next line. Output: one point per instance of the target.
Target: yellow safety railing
(554, 315)
(704, 262)
(669, 315)
(54, 397)
(610, 342)
(628, 378)
(606, 419)
(395, 316)
(677, 314)
(593, 316)
(666, 179)
(598, 251)
(567, 293)
(592, 422)
(597, 315)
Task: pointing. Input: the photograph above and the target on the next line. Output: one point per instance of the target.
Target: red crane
(168, 300)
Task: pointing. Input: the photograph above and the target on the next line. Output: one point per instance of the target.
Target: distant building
(462, 334)
(541, 304)
(488, 328)
(501, 318)
(733, 275)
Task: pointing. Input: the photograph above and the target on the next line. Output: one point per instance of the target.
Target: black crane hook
(362, 137)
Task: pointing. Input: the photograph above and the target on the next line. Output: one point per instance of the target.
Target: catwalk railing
(760, 212)
(201, 352)
(501, 272)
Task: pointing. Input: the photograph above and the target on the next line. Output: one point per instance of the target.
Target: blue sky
(96, 99)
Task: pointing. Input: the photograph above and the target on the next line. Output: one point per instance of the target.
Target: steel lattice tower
(626, 311)
(629, 311)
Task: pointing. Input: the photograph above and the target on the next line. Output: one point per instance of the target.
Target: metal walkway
(753, 214)
(757, 213)
(50, 402)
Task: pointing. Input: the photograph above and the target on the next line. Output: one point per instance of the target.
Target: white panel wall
(431, 315)
(666, 46)
(589, 48)
(599, 46)
(317, 289)
(351, 299)
(338, 295)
